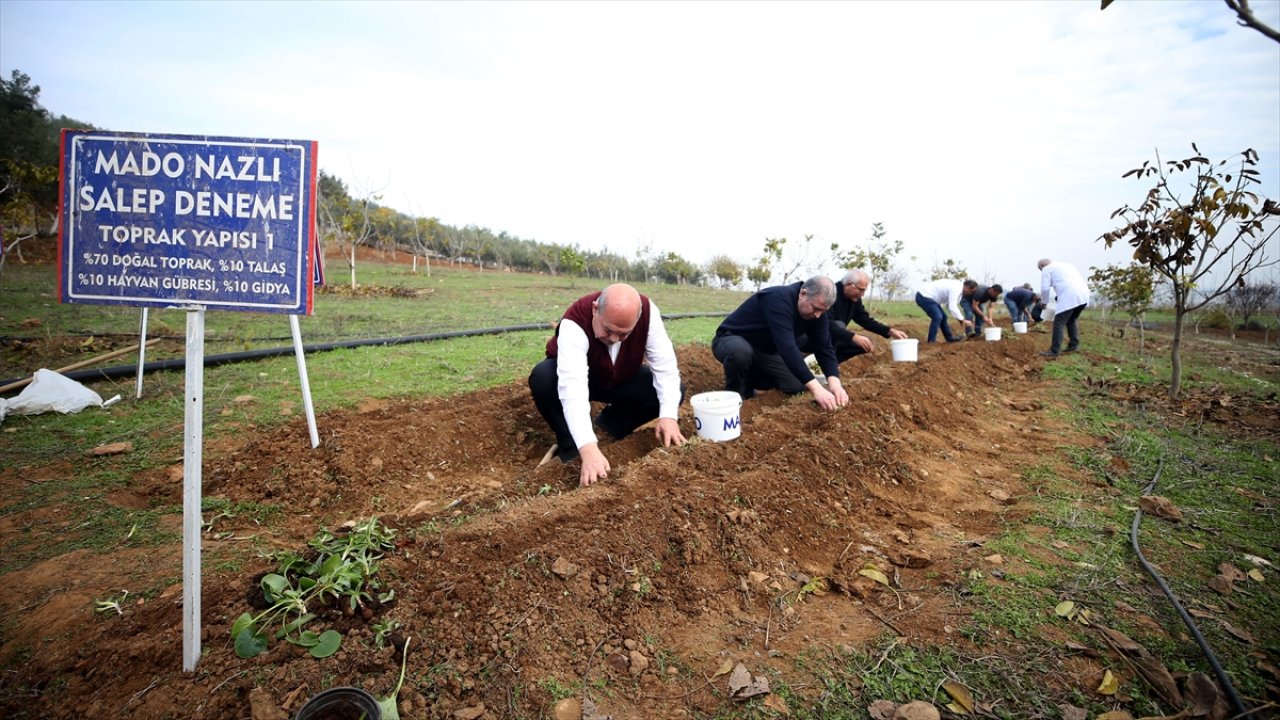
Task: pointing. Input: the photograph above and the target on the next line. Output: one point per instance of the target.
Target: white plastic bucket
(905, 350)
(716, 415)
(1019, 328)
(1047, 314)
(992, 333)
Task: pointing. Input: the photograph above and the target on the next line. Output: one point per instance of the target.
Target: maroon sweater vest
(600, 369)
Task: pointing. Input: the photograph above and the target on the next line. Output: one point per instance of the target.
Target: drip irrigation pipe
(122, 371)
(1218, 670)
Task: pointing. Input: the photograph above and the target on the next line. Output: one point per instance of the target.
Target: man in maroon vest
(599, 353)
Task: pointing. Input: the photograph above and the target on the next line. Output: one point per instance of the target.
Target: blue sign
(176, 220)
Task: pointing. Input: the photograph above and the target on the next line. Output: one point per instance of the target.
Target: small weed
(557, 690)
(111, 604)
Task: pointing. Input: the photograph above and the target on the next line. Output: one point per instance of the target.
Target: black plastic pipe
(120, 371)
(1218, 670)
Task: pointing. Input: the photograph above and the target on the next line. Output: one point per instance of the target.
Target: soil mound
(515, 586)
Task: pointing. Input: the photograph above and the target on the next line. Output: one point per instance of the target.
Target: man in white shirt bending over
(610, 347)
(1073, 296)
(945, 292)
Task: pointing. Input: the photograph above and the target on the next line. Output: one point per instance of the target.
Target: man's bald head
(617, 311)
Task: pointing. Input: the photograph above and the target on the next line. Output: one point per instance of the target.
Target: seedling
(343, 570)
(382, 630)
(111, 604)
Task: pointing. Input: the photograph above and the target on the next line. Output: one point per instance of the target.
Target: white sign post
(192, 492)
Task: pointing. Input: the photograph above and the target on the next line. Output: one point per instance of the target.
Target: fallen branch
(83, 363)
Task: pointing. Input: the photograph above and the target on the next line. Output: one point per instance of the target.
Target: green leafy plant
(383, 629)
(343, 571)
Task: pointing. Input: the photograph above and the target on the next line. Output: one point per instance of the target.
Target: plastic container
(717, 415)
(340, 702)
(992, 333)
(905, 350)
(1046, 315)
(1019, 328)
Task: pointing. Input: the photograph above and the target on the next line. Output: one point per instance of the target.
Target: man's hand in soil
(828, 399)
(864, 342)
(668, 432)
(595, 466)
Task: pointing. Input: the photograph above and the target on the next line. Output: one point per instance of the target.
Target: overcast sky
(994, 133)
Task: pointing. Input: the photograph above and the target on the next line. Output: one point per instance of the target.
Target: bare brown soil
(684, 559)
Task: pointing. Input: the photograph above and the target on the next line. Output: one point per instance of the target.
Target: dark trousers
(841, 338)
(630, 405)
(747, 368)
(937, 318)
(1066, 320)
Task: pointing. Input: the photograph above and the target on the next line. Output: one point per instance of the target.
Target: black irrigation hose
(1218, 670)
(121, 371)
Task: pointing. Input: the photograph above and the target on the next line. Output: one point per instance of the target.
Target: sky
(993, 133)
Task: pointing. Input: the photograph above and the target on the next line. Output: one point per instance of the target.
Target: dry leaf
(1257, 560)
(1203, 695)
(777, 704)
(1161, 507)
(1231, 572)
(960, 694)
(1110, 685)
(882, 709)
(1120, 641)
(1071, 712)
(1256, 575)
(1238, 633)
(1065, 609)
(742, 686)
(725, 667)
(1115, 715)
(1195, 545)
(1220, 584)
(874, 574)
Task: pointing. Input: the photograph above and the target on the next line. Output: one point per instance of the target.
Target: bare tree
(1248, 301)
(1204, 243)
(1245, 15)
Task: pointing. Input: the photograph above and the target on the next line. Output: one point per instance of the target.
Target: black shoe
(1070, 350)
(1049, 354)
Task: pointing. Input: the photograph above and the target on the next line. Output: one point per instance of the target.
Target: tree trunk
(1175, 356)
(1142, 335)
(353, 266)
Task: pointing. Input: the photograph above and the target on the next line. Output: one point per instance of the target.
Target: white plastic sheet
(50, 391)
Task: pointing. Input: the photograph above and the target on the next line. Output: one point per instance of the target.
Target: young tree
(894, 282)
(1130, 289)
(876, 258)
(759, 273)
(948, 268)
(573, 263)
(1203, 243)
(770, 256)
(725, 269)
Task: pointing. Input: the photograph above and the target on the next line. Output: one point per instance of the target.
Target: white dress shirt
(947, 293)
(571, 371)
(1065, 280)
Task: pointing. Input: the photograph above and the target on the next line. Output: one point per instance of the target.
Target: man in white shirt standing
(949, 293)
(609, 347)
(1073, 296)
